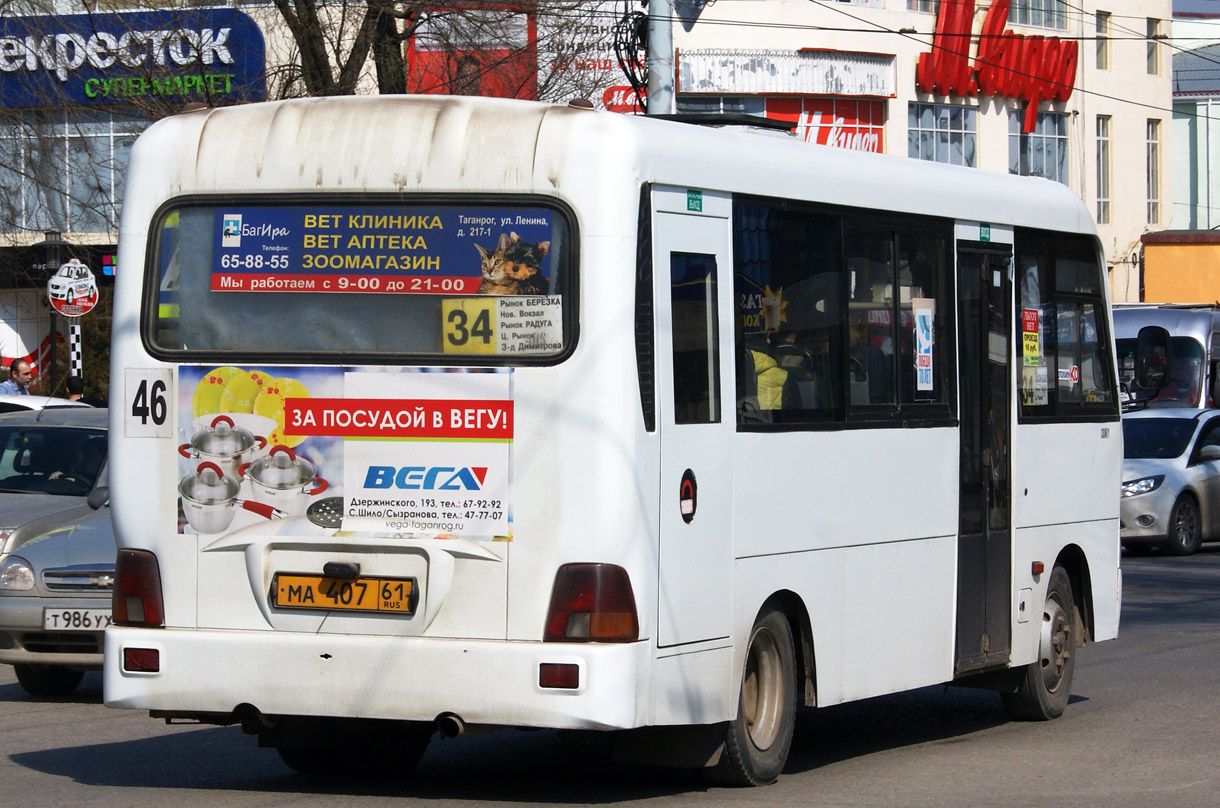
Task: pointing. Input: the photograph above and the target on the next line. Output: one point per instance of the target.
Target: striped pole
(74, 351)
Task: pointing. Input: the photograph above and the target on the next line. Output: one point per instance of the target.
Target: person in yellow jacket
(771, 380)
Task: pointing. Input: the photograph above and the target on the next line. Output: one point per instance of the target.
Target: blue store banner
(131, 57)
(337, 248)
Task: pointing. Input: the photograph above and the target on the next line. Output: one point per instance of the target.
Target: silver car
(57, 547)
(55, 604)
(1171, 479)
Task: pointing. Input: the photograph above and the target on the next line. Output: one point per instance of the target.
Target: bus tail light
(137, 597)
(592, 603)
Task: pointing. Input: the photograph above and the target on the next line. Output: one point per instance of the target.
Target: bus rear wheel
(1047, 684)
(368, 748)
(757, 741)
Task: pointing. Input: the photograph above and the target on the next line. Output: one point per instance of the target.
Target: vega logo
(427, 478)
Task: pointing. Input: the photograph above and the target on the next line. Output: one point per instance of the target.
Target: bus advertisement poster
(925, 311)
(395, 250)
(384, 451)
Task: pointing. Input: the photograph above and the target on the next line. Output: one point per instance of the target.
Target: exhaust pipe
(450, 726)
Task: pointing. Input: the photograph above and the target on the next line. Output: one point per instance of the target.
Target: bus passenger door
(692, 271)
(984, 553)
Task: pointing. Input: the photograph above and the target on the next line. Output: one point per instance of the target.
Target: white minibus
(446, 414)
(1194, 351)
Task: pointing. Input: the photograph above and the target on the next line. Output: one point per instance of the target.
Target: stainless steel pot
(283, 480)
(225, 444)
(209, 500)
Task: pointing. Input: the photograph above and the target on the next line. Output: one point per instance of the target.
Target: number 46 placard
(146, 403)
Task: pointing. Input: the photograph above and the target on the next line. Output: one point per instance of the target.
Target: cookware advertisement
(379, 451)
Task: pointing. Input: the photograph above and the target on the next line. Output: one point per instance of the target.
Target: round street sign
(72, 290)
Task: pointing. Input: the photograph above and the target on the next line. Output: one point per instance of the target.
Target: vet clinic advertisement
(319, 451)
(396, 250)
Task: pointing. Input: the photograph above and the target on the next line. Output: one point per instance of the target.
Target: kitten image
(514, 267)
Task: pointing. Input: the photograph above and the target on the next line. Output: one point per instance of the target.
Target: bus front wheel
(1047, 684)
(757, 741)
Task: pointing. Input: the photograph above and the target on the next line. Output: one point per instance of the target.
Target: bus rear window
(445, 283)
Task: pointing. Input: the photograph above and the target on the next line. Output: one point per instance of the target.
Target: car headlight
(1142, 485)
(16, 575)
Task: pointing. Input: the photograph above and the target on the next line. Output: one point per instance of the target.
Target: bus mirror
(1153, 358)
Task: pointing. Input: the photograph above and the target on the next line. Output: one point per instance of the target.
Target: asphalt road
(1142, 731)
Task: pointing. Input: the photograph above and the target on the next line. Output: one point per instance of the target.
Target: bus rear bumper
(418, 679)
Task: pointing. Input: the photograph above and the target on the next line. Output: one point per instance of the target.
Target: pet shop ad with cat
(393, 250)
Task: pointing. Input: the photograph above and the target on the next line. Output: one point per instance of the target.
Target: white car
(55, 603)
(11, 402)
(71, 283)
(1171, 479)
(57, 546)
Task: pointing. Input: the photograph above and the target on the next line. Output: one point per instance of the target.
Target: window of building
(943, 133)
(1041, 153)
(1065, 355)
(1154, 47)
(1103, 169)
(713, 104)
(1103, 40)
(930, 6)
(1153, 150)
(64, 171)
(1044, 13)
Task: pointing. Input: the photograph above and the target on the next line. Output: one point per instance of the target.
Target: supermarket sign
(175, 57)
(1031, 68)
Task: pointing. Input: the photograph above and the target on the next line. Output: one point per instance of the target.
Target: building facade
(76, 89)
(1076, 93)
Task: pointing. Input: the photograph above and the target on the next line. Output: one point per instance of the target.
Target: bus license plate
(75, 619)
(395, 595)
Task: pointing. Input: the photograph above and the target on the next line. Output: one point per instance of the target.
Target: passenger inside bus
(869, 365)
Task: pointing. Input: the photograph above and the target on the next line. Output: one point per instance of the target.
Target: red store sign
(1032, 68)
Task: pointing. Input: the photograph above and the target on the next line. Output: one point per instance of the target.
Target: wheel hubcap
(1185, 526)
(762, 690)
(1055, 643)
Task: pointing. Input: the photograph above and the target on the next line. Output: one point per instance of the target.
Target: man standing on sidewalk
(19, 377)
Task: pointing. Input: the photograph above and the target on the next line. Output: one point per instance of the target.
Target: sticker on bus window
(1035, 386)
(924, 313)
(502, 325)
(392, 452)
(1031, 338)
(382, 250)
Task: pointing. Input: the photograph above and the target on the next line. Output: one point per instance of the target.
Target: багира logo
(231, 237)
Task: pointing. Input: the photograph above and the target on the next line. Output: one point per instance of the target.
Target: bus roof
(402, 144)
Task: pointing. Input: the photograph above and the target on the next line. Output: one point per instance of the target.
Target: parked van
(1194, 331)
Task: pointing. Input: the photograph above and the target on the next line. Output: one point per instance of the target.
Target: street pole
(660, 57)
(53, 241)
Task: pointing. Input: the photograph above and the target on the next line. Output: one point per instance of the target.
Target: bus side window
(696, 354)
